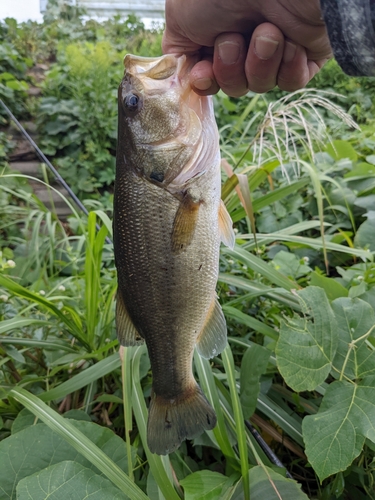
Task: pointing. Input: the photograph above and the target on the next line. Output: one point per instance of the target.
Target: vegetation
(298, 290)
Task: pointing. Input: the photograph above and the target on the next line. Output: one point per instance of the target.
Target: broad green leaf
(365, 236)
(333, 288)
(67, 480)
(253, 365)
(266, 484)
(204, 485)
(340, 149)
(32, 449)
(14, 353)
(361, 170)
(307, 345)
(24, 419)
(79, 441)
(153, 490)
(290, 265)
(334, 437)
(355, 321)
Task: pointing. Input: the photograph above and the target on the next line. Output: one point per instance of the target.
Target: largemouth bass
(168, 224)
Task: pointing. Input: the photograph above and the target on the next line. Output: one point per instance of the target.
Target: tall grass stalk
(229, 367)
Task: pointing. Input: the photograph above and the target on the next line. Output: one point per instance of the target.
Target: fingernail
(289, 52)
(202, 83)
(265, 47)
(229, 52)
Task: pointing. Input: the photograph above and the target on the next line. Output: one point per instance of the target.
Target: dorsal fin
(126, 331)
(213, 337)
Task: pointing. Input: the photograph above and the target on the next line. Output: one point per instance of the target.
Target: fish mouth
(160, 72)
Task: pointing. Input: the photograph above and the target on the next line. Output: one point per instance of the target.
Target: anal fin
(184, 223)
(213, 337)
(127, 334)
(226, 226)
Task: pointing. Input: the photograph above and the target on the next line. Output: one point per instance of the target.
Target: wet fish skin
(168, 224)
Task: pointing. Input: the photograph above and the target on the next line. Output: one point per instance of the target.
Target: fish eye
(132, 103)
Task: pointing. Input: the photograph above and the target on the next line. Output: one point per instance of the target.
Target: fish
(168, 224)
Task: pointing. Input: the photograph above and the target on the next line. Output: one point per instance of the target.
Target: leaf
(21, 291)
(85, 377)
(253, 323)
(203, 485)
(265, 483)
(306, 346)
(370, 159)
(159, 466)
(340, 149)
(24, 419)
(253, 365)
(333, 288)
(13, 353)
(230, 371)
(355, 320)
(64, 480)
(365, 236)
(290, 265)
(334, 437)
(18, 322)
(259, 266)
(37, 446)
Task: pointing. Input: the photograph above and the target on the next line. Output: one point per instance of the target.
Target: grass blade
(261, 267)
(127, 399)
(227, 358)
(21, 291)
(207, 382)
(84, 378)
(157, 464)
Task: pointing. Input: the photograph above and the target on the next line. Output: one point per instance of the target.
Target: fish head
(161, 119)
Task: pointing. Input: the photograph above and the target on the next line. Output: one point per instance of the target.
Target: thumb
(177, 43)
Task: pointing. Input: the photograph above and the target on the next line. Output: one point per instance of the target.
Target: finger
(174, 38)
(202, 78)
(264, 57)
(296, 70)
(229, 64)
(315, 66)
(294, 73)
(174, 43)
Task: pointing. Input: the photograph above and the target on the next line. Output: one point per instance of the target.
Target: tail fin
(172, 421)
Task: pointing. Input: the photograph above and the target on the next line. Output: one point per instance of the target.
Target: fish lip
(137, 67)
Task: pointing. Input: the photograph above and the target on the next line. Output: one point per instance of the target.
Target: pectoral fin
(126, 331)
(213, 338)
(184, 224)
(226, 226)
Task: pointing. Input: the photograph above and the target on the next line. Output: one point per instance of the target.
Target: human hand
(248, 45)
